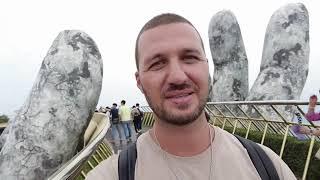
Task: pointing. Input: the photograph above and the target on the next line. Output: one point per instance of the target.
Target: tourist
(115, 123)
(137, 117)
(172, 73)
(133, 112)
(125, 119)
(310, 116)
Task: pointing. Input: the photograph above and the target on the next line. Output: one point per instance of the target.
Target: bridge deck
(117, 144)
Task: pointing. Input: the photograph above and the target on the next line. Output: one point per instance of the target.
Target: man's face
(173, 72)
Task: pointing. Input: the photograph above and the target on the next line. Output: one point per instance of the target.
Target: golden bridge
(265, 122)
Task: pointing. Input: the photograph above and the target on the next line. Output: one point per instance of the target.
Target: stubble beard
(180, 119)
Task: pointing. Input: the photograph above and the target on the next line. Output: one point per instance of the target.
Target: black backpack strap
(127, 162)
(260, 159)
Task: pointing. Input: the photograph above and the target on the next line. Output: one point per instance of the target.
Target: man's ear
(139, 85)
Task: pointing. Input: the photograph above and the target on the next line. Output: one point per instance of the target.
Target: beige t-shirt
(230, 161)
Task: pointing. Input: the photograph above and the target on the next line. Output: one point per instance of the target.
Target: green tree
(4, 118)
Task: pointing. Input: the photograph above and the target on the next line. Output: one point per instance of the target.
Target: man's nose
(177, 73)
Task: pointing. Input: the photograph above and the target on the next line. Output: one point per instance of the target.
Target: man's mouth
(179, 97)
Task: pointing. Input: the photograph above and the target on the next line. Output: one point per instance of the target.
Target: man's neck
(188, 140)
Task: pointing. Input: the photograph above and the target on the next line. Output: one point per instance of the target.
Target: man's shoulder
(145, 144)
(107, 169)
(282, 168)
(227, 138)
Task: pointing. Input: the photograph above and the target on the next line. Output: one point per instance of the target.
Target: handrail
(68, 168)
(273, 102)
(3, 125)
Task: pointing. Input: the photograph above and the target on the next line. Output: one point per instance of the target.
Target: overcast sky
(28, 29)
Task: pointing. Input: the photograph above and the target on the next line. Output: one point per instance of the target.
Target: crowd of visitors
(121, 120)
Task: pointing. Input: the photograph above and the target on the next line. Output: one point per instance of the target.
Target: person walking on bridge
(172, 73)
(115, 123)
(137, 115)
(125, 119)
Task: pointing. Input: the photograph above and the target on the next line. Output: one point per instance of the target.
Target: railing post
(224, 123)
(264, 132)
(83, 174)
(235, 126)
(248, 130)
(214, 121)
(104, 154)
(90, 164)
(95, 159)
(284, 141)
(306, 167)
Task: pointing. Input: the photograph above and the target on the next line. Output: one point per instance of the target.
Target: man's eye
(157, 65)
(191, 59)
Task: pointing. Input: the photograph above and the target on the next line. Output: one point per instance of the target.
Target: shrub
(295, 152)
(4, 118)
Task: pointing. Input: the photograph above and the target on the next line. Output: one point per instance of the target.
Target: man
(125, 119)
(137, 115)
(115, 123)
(172, 73)
(134, 113)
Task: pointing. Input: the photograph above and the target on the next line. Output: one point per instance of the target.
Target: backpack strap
(260, 159)
(127, 162)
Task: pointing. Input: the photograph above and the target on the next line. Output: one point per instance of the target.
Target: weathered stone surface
(284, 65)
(230, 78)
(46, 130)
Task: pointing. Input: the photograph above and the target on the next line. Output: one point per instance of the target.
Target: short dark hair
(137, 104)
(162, 19)
(114, 104)
(123, 102)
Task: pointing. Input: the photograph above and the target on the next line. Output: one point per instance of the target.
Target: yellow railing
(269, 117)
(93, 153)
(3, 125)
